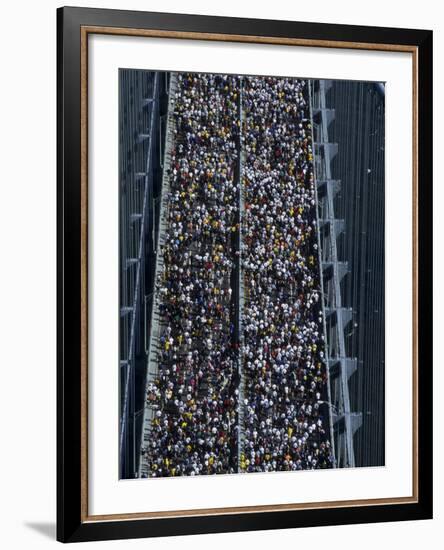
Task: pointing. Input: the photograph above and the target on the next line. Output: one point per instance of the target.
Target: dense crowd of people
(195, 395)
(283, 347)
(194, 430)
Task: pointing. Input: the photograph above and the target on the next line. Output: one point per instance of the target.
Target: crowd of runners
(283, 351)
(277, 343)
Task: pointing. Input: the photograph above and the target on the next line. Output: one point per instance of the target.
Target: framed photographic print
(244, 274)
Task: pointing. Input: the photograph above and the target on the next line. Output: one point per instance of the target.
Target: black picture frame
(71, 523)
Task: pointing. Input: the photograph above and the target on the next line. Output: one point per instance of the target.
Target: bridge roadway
(154, 341)
(152, 369)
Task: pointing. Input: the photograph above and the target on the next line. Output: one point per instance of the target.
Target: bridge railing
(344, 422)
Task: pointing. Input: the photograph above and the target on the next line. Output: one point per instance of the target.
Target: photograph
(251, 274)
(219, 305)
(244, 274)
